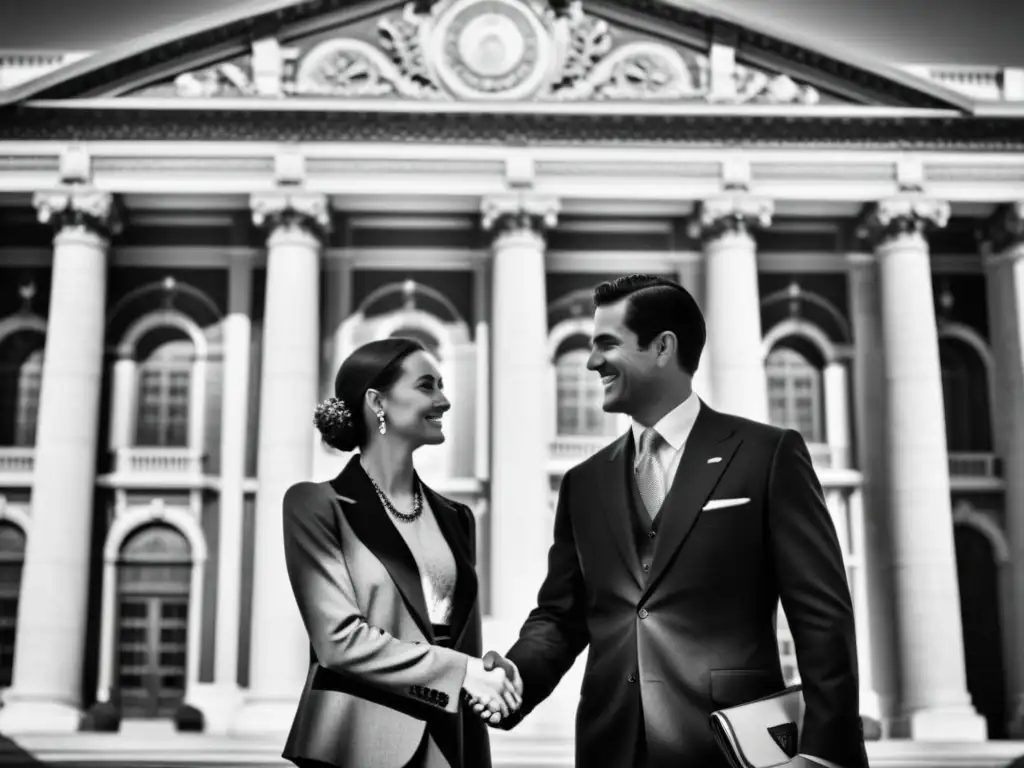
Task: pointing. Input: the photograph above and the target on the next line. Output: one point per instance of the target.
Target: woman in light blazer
(382, 569)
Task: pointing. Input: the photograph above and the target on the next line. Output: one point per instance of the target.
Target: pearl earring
(380, 418)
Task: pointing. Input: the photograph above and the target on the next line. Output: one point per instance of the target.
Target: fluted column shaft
(521, 523)
(1005, 274)
(733, 303)
(288, 394)
(52, 610)
(936, 704)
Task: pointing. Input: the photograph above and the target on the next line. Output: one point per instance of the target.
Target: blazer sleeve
(555, 632)
(816, 597)
(343, 640)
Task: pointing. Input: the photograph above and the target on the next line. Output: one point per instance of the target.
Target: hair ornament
(332, 413)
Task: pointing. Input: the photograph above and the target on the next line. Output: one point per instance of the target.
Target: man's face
(629, 373)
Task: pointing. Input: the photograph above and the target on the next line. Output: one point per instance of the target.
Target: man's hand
(495, 661)
(489, 691)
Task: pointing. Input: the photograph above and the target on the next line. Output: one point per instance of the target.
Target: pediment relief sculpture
(490, 50)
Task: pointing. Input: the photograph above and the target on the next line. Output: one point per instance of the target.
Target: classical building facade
(196, 228)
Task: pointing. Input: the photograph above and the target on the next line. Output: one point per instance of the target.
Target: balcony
(566, 451)
(16, 465)
(974, 466)
(158, 461)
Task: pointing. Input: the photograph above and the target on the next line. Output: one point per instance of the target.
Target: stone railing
(565, 451)
(17, 67)
(974, 465)
(155, 460)
(17, 460)
(984, 83)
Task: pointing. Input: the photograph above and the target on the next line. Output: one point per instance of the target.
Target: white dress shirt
(675, 428)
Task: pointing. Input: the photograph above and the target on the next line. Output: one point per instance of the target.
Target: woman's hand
(492, 690)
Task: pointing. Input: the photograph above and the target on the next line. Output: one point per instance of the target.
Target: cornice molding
(712, 129)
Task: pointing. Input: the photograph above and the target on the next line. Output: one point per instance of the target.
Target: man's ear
(667, 347)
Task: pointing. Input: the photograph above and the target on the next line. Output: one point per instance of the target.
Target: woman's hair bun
(337, 427)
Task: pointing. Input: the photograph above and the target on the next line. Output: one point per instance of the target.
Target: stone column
(520, 529)
(837, 413)
(691, 275)
(1005, 273)
(733, 304)
(234, 437)
(51, 629)
(936, 704)
(296, 222)
(870, 414)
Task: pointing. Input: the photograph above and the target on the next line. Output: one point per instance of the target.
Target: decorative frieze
(492, 50)
(1006, 227)
(308, 211)
(83, 208)
(519, 212)
(732, 212)
(907, 213)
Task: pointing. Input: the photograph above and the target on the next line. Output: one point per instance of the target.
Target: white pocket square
(721, 503)
(715, 460)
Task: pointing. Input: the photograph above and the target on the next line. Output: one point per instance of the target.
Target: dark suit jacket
(696, 633)
(375, 679)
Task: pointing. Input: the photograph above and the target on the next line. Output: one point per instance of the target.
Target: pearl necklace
(417, 503)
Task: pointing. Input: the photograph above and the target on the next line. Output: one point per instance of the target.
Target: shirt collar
(675, 426)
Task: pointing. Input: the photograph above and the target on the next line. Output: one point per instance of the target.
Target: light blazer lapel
(371, 523)
(466, 585)
(613, 496)
(695, 479)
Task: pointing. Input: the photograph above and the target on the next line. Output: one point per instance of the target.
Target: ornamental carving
(82, 207)
(905, 214)
(493, 50)
(738, 212)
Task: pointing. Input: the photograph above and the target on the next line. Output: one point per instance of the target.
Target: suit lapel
(375, 528)
(695, 479)
(466, 582)
(613, 496)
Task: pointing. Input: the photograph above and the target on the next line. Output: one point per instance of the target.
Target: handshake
(493, 687)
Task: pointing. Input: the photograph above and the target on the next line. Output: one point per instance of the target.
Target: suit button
(631, 678)
(642, 613)
(651, 534)
(647, 568)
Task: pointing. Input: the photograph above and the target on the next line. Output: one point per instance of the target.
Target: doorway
(154, 576)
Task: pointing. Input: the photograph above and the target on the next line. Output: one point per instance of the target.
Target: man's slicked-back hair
(655, 305)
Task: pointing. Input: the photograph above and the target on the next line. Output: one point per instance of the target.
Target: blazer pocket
(731, 687)
(723, 503)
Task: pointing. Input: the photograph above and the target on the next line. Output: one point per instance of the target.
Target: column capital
(307, 211)
(86, 208)
(904, 214)
(1005, 228)
(732, 212)
(516, 212)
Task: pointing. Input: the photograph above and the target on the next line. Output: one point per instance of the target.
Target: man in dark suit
(672, 547)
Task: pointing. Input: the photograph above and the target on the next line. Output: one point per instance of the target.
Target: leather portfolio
(762, 733)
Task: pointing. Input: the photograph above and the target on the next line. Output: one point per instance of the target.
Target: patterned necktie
(649, 479)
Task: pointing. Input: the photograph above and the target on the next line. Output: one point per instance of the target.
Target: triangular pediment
(483, 51)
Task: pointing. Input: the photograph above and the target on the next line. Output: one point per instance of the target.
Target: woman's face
(414, 404)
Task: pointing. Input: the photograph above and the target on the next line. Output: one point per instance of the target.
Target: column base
(38, 717)
(218, 703)
(1015, 727)
(960, 724)
(263, 717)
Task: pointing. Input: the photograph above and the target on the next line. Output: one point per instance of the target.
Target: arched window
(21, 375)
(424, 337)
(154, 576)
(965, 395)
(12, 557)
(580, 396)
(795, 389)
(165, 357)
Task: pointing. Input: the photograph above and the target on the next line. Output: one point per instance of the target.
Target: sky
(979, 32)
